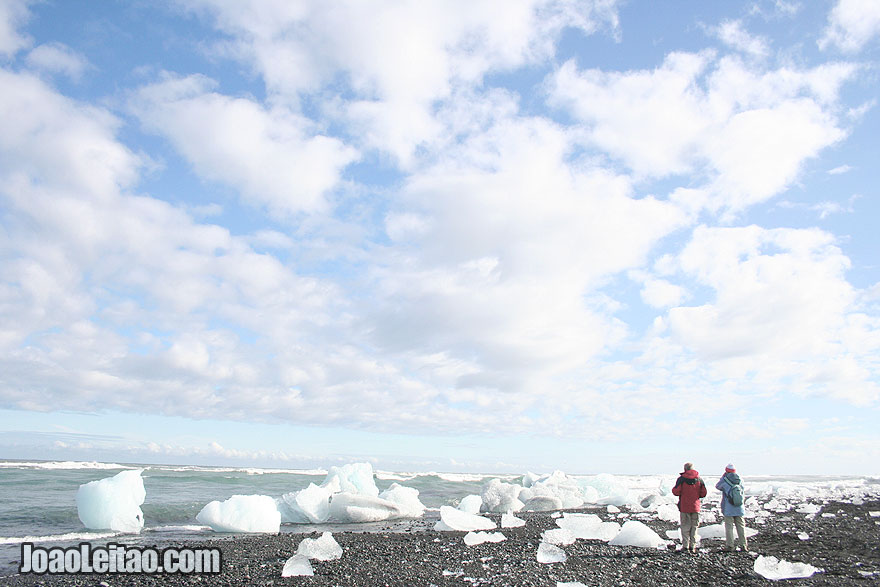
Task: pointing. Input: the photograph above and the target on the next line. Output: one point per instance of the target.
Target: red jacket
(689, 488)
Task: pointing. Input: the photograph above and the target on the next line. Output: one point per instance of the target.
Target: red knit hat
(730, 468)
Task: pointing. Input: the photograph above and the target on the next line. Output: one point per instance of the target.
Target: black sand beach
(846, 546)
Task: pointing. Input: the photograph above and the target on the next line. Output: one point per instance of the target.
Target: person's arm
(703, 490)
(677, 489)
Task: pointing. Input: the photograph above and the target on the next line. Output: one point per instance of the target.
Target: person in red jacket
(689, 488)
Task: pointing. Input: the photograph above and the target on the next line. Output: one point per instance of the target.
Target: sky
(495, 236)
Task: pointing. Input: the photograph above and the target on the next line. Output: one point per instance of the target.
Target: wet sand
(846, 545)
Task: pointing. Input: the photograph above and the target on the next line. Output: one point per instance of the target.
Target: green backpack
(735, 495)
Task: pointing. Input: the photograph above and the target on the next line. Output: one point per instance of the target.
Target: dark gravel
(842, 545)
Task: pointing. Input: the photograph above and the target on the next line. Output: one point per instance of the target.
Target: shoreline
(842, 542)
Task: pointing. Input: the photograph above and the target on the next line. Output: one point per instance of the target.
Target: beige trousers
(729, 523)
(689, 524)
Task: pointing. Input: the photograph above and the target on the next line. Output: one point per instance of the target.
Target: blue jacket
(727, 481)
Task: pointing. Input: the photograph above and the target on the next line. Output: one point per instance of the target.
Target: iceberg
(668, 513)
(113, 503)
(406, 499)
(352, 478)
(349, 495)
(452, 519)
(588, 526)
(548, 554)
(776, 569)
(542, 503)
(324, 548)
(474, 538)
(499, 496)
(242, 513)
(309, 505)
(635, 533)
(471, 504)
(297, 566)
(716, 532)
(552, 492)
(351, 507)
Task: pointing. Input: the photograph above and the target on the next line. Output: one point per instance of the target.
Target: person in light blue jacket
(733, 514)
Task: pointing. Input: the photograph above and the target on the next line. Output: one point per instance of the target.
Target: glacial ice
(548, 554)
(349, 495)
(242, 513)
(474, 538)
(324, 548)
(588, 526)
(569, 584)
(309, 505)
(406, 499)
(668, 513)
(113, 503)
(499, 496)
(635, 533)
(471, 504)
(558, 537)
(452, 519)
(508, 520)
(716, 532)
(352, 478)
(776, 569)
(297, 566)
(542, 503)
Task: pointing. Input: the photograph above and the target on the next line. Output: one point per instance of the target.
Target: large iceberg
(499, 496)
(242, 513)
(113, 503)
(349, 495)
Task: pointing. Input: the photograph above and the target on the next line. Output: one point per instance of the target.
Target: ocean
(38, 499)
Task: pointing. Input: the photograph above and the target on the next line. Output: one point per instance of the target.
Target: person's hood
(732, 478)
(692, 474)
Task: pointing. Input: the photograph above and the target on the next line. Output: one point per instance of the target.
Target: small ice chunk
(803, 536)
(548, 553)
(297, 566)
(558, 536)
(113, 503)
(508, 520)
(569, 584)
(324, 548)
(588, 526)
(474, 538)
(471, 504)
(242, 513)
(808, 508)
(613, 509)
(776, 569)
(874, 514)
(455, 519)
(635, 533)
(668, 513)
(717, 532)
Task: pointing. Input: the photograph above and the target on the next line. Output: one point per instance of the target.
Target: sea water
(38, 499)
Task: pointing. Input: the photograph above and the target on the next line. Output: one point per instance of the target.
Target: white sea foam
(70, 465)
(70, 536)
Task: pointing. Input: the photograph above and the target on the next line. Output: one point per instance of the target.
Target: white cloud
(13, 14)
(852, 24)
(57, 58)
(398, 59)
(747, 132)
(272, 156)
(732, 33)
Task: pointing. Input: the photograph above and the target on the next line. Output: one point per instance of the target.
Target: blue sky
(496, 236)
